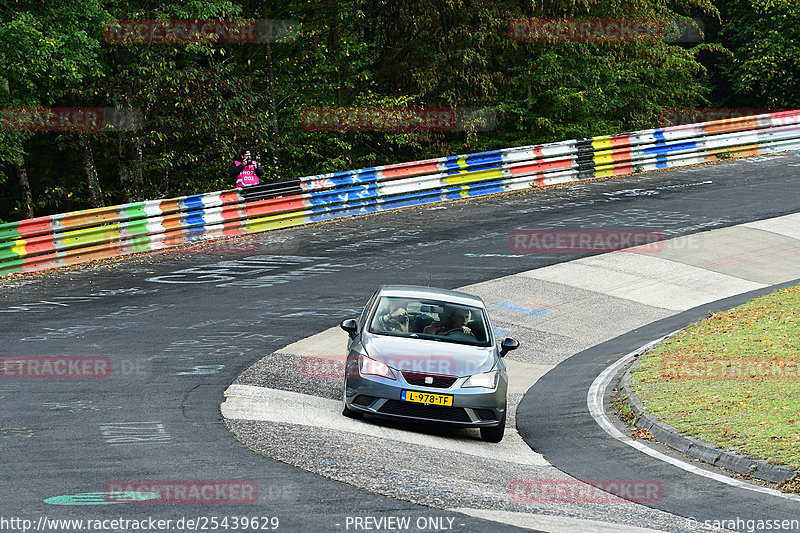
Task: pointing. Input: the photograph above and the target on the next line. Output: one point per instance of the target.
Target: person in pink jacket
(247, 171)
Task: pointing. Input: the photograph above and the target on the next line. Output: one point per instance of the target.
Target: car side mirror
(350, 326)
(507, 345)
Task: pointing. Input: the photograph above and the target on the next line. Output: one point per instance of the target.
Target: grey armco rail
(70, 238)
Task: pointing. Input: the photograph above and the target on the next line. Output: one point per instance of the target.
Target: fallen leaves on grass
(732, 379)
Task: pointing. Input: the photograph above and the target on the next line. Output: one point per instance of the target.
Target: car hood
(428, 356)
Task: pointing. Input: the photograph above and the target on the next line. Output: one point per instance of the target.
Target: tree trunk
(165, 184)
(273, 112)
(276, 141)
(24, 184)
(124, 170)
(19, 163)
(130, 166)
(89, 168)
(136, 169)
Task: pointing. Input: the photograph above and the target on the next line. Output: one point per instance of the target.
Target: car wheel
(349, 413)
(495, 433)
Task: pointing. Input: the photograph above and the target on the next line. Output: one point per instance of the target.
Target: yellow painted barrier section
(19, 247)
(606, 158)
(88, 236)
(604, 173)
(284, 220)
(601, 143)
(472, 177)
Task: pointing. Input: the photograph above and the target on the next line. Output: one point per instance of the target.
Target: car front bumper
(472, 407)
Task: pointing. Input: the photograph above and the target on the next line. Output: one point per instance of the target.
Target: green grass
(733, 379)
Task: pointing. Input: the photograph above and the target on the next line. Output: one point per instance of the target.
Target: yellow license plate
(427, 398)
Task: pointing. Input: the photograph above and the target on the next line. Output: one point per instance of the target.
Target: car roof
(433, 293)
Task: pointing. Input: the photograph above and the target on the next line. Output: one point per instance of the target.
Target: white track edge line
(594, 401)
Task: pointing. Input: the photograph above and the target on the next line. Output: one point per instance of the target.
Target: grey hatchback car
(428, 355)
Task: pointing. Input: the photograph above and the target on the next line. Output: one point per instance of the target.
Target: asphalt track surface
(180, 326)
(567, 435)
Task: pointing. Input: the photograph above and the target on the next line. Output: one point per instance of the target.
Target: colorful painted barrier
(71, 238)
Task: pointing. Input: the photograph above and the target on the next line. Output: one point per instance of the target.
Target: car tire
(494, 433)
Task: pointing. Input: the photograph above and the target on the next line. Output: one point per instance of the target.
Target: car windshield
(430, 319)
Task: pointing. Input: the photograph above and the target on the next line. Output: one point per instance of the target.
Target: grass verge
(733, 379)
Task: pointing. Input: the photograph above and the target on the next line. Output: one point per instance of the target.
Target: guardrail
(77, 237)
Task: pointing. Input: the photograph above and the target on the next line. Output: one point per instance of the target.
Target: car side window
(391, 316)
(364, 312)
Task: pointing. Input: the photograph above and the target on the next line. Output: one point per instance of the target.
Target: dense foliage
(200, 102)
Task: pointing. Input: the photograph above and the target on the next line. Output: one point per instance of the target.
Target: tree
(197, 100)
(201, 102)
(764, 39)
(47, 53)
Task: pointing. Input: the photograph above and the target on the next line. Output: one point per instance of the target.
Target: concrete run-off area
(556, 312)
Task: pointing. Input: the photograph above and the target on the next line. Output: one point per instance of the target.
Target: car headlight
(370, 367)
(487, 380)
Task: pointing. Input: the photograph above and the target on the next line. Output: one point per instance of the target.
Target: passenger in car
(395, 318)
(455, 320)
